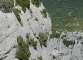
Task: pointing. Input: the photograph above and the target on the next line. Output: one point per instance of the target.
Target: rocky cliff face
(10, 29)
(66, 45)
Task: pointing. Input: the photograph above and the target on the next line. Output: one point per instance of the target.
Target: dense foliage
(65, 14)
(23, 52)
(67, 43)
(64, 10)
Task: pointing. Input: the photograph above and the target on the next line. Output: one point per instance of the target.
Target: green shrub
(23, 52)
(39, 58)
(42, 38)
(24, 4)
(16, 12)
(27, 36)
(36, 2)
(52, 35)
(67, 43)
(36, 19)
(20, 41)
(6, 5)
(56, 35)
(33, 43)
(44, 13)
(82, 43)
(54, 57)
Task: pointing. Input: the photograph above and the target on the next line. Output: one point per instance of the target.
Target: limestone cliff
(65, 46)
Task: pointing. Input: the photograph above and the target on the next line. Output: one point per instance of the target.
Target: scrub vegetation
(67, 43)
(6, 6)
(43, 12)
(23, 52)
(17, 12)
(55, 34)
(31, 41)
(42, 38)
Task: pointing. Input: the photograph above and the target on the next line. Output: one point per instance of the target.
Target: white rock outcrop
(10, 29)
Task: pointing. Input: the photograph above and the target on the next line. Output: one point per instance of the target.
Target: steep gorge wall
(34, 22)
(10, 29)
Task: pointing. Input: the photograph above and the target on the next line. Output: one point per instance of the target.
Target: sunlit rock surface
(10, 29)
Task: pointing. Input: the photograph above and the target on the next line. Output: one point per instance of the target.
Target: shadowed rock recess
(25, 29)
